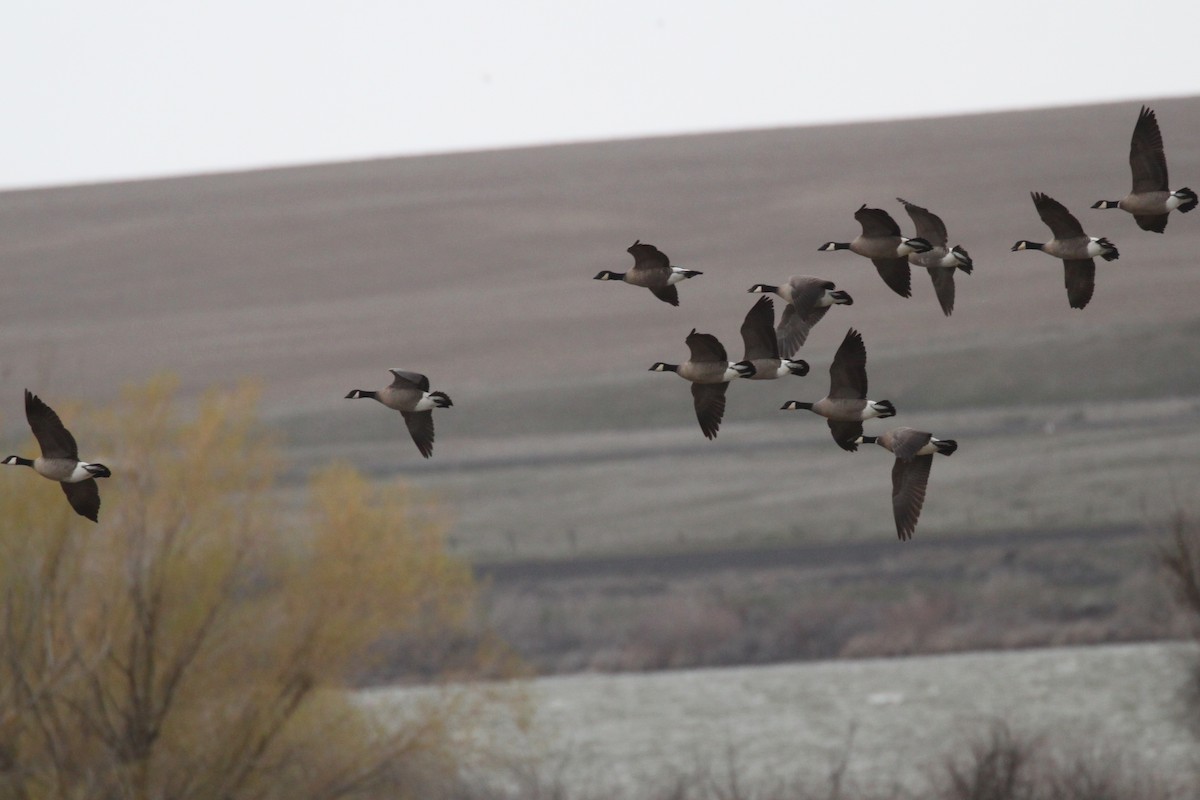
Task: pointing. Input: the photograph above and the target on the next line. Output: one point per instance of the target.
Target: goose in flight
(409, 394)
(652, 270)
(1150, 200)
(59, 460)
(709, 370)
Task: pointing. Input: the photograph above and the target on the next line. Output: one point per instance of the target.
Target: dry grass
(996, 764)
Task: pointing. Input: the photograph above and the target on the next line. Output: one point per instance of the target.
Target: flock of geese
(806, 300)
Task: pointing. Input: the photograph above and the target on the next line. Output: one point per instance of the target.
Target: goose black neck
(18, 461)
(356, 394)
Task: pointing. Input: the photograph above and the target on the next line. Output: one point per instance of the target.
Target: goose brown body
(914, 451)
(941, 260)
(409, 394)
(807, 300)
(762, 347)
(882, 242)
(846, 406)
(651, 270)
(1076, 249)
(709, 371)
(1150, 200)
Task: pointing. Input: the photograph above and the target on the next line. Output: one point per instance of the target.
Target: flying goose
(846, 405)
(409, 394)
(762, 350)
(914, 451)
(710, 372)
(59, 460)
(652, 270)
(1076, 249)
(881, 242)
(1151, 199)
(807, 299)
(942, 260)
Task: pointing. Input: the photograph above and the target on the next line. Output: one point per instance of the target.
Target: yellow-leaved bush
(203, 641)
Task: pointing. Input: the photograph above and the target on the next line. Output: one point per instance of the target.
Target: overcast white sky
(131, 88)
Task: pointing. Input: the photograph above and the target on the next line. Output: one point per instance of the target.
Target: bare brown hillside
(476, 269)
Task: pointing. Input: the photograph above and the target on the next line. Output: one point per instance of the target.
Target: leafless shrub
(1005, 765)
(996, 768)
(189, 647)
(679, 633)
(1179, 555)
(1054, 594)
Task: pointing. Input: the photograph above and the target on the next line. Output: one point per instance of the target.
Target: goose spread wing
(943, 287)
(84, 497)
(1080, 278)
(845, 434)
(420, 427)
(403, 379)
(876, 222)
(848, 372)
(52, 436)
(794, 328)
(1062, 223)
(1156, 222)
(895, 273)
(705, 347)
(1147, 161)
(709, 399)
(909, 479)
(647, 256)
(668, 294)
(799, 316)
(758, 331)
(929, 225)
